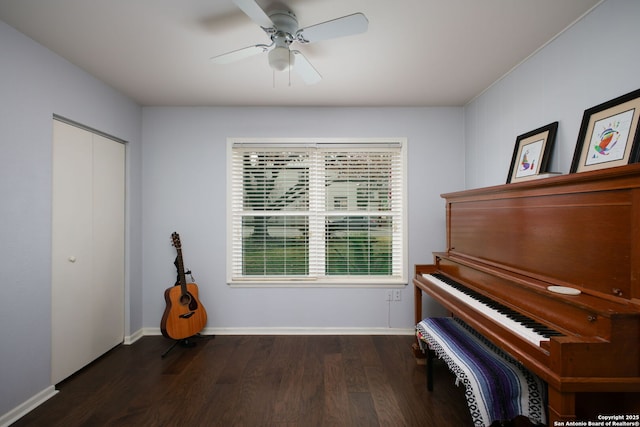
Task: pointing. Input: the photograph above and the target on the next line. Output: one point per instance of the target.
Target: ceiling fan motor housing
(286, 26)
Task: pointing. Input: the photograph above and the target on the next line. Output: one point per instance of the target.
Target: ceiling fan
(282, 28)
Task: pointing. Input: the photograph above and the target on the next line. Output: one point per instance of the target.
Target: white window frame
(401, 277)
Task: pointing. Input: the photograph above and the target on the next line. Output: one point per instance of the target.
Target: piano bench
(498, 388)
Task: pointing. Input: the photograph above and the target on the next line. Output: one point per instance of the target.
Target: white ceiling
(415, 52)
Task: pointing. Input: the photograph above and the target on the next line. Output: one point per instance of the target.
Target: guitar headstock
(175, 238)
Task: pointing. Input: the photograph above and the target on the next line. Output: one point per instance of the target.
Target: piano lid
(580, 230)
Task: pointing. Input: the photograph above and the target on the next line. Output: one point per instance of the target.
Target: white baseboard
(130, 339)
(296, 331)
(21, 410)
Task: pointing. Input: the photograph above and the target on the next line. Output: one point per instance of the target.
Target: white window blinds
(328, 212)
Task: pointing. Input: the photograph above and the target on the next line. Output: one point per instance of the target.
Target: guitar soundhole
(185, 299)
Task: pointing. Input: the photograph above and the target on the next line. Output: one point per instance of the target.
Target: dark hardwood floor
(257, 381)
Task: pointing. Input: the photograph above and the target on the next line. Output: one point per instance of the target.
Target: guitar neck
(181, 277)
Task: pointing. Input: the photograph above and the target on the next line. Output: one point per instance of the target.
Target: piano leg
(417, 310)
(417, 304)
(430, 354)
(562, 405)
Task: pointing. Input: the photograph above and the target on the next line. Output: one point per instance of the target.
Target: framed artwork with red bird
(609, 134)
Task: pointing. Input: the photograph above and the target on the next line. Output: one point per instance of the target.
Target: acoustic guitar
(184, 315)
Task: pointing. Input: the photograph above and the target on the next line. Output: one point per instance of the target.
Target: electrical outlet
(397, 294)
(389, 295)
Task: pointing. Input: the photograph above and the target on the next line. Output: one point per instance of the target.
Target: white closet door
(108, 244)
(87, 248)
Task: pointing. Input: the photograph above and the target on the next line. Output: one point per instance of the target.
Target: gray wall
(592, 62)
(34, 85)
(184, 190)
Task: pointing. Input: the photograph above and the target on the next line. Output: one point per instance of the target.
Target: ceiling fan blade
(236, 55)
(339, 27)
(255, 12)
(304, 69)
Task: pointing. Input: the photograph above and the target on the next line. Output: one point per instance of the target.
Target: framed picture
(609, 135)
(531, 153)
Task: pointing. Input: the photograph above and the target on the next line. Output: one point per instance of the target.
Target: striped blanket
(498, 388)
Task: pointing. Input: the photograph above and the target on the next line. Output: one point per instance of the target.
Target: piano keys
(508, 244)
(529, 329)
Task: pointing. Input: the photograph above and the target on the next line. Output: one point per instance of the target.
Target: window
(318, 212)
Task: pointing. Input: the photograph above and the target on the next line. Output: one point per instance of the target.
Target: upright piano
(549, 271)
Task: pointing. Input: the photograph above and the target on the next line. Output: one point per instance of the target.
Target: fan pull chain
(274, 78)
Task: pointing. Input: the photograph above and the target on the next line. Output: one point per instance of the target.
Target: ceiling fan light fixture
(281, 58)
